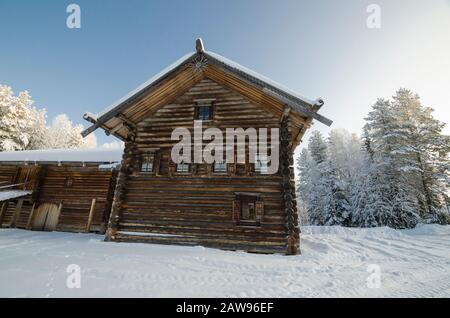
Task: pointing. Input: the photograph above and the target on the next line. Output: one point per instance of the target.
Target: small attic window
(204, 109)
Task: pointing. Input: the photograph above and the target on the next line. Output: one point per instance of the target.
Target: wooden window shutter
(251, 169)
(194, 168)
(259, 211)
(137, 164)
(157, 163)
(231, 169)
(236, 210)
(171, 167)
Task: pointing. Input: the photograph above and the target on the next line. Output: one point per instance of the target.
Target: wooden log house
(57, 190)
(229, 206)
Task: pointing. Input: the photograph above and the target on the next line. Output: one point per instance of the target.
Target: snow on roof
(12, 194)
(63, 155)
(144, 85)
(181, 61)
(261, 77)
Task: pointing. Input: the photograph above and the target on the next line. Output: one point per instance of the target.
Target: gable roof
(197, 60)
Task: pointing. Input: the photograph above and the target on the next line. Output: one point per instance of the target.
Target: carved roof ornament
(199, 62)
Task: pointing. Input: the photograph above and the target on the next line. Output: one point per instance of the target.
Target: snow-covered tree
(338, 175)
(388, 169)
(424, 151)
(310, 164)
(62, 134)
(410, 148)
(322, 190)
(22, 126)
(397, 175)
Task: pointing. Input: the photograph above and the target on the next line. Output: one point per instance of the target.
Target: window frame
(203, 104)
(261, 168)
(258, 206)
(138, 166)
(224, 165)
(143, 157)
(183, 171)
(199, 109)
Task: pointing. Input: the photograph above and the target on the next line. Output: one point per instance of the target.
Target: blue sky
(318, 48)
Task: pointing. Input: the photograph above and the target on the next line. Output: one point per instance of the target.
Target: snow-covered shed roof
(303, 105)
(98, 156)
(13, 194)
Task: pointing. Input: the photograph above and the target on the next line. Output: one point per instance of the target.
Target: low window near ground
(248, 210)
(148, 162)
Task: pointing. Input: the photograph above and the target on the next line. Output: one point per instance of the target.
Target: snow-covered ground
(413, 263)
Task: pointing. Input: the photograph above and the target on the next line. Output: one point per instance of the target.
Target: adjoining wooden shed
(57, 190)
(230, 206)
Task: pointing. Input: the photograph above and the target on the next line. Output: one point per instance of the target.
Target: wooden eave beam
(125, 119)
(287, 111)
(301, 133)
(300, 108)
(115, 129)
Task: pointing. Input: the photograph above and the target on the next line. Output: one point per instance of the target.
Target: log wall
(74, 186)
(197, 208)
(7, 174)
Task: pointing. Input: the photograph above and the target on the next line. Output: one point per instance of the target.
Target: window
(248, 209)
(220, 167)
(204, 109)
(261, 164)
(204, 113)
(241, 169)
(182, 167)
(148, 161)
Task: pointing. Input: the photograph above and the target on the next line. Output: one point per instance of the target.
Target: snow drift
(334, 263)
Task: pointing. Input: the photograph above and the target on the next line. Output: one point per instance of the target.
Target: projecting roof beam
(115, 129)
(126, 120)
(286, 112)
(90, 130)
(300, 108)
